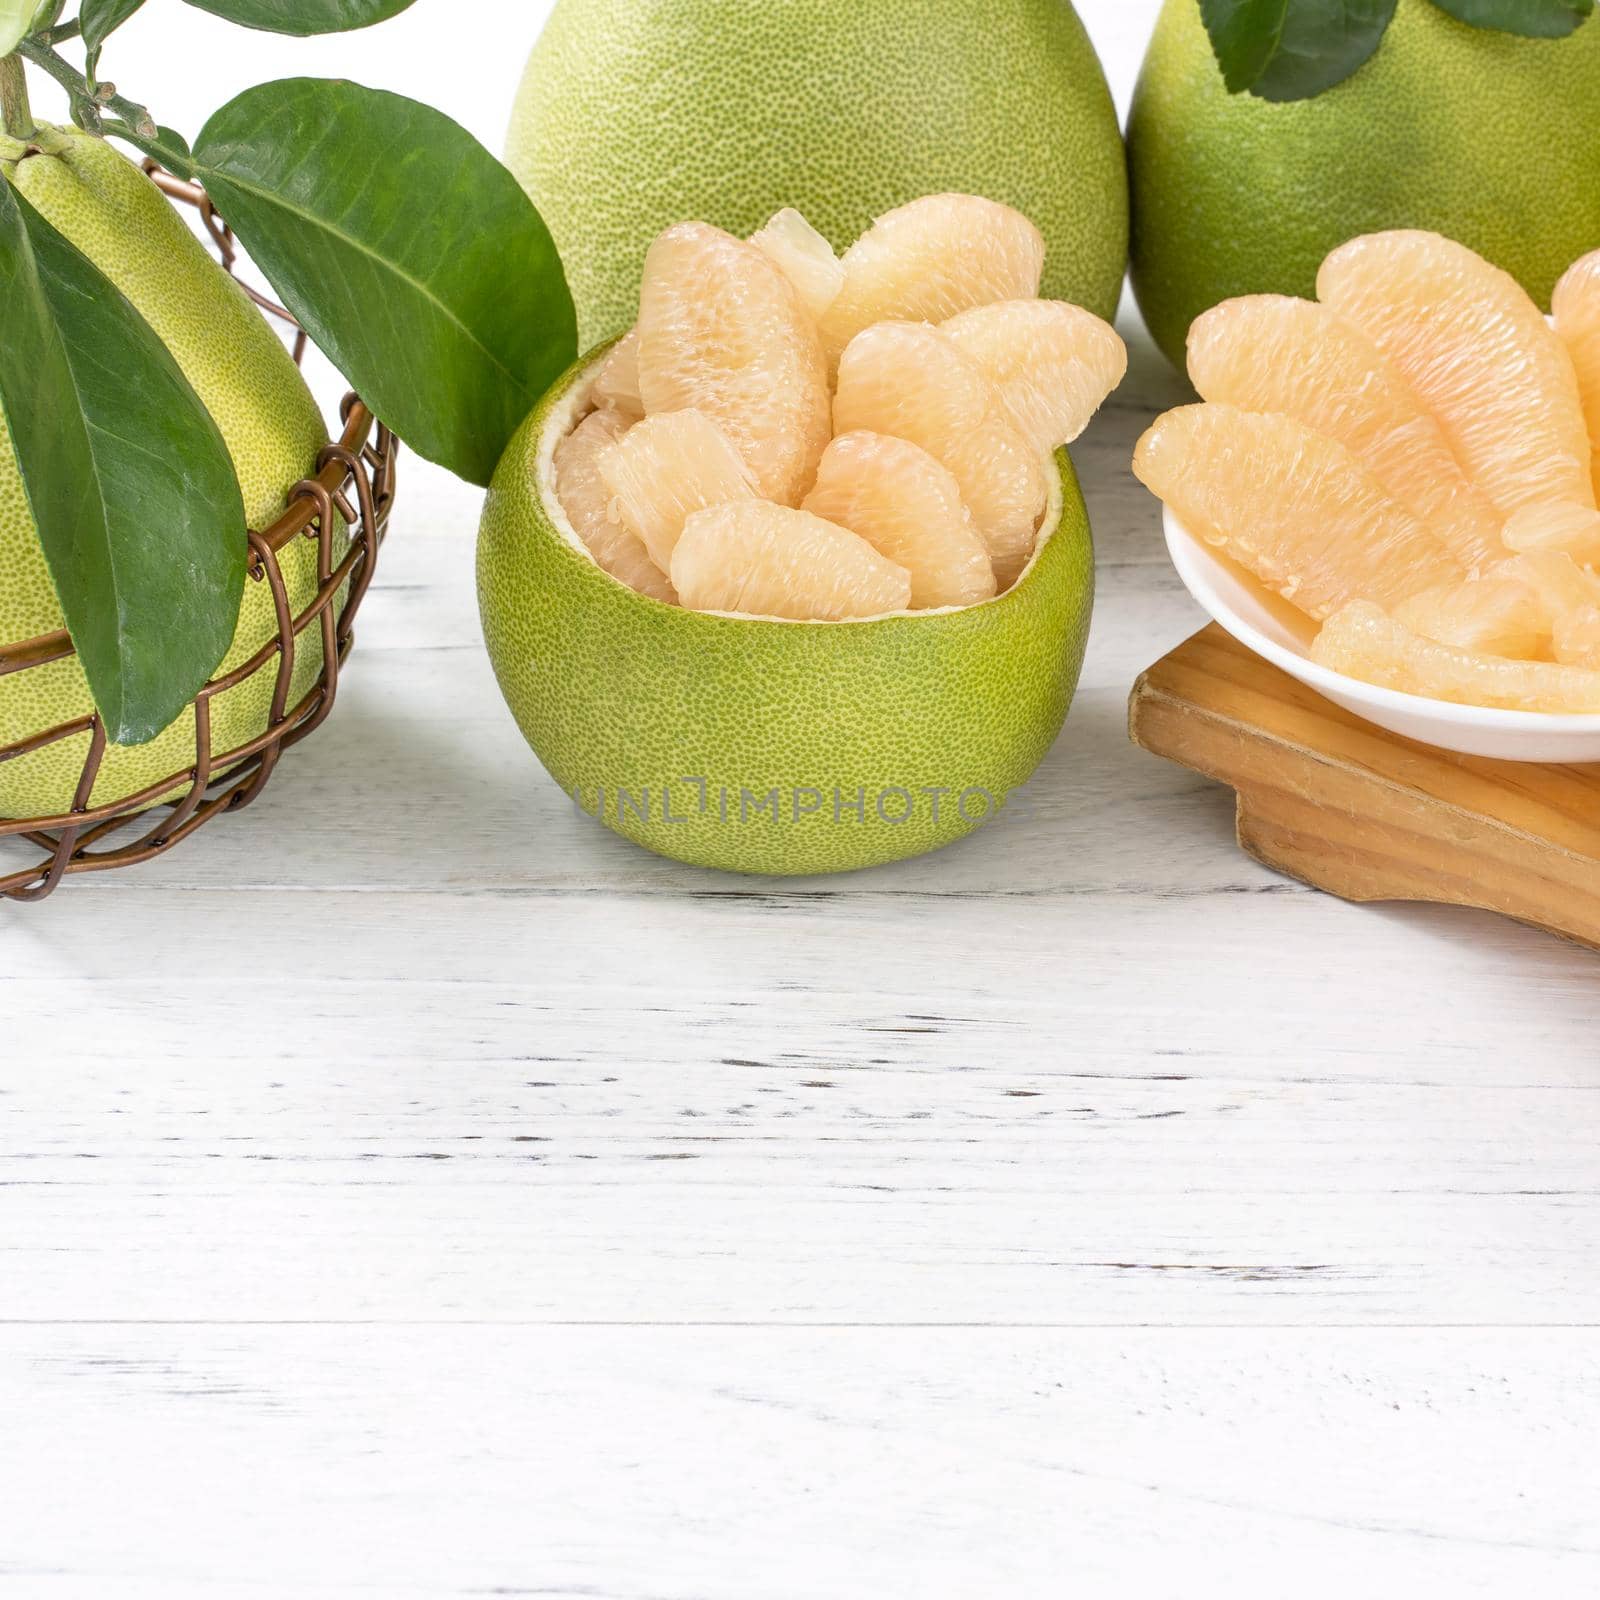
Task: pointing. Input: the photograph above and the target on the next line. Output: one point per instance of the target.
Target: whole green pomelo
(116, 216)
(764, 746)
(1472, 133)
(633, 116)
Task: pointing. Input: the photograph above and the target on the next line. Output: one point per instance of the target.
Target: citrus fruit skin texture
(615, 691)
(632, 116)
(245, 378)
(1475, 134)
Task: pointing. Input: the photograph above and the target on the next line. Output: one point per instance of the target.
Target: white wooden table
(409, 1188)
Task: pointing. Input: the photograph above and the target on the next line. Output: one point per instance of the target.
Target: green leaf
(1244, 37)
(304, 16)
(409, 254)
(1293, 49)
(16, 20)
(99, 19)
(1535, 19)
(168, 147)
(130, 485)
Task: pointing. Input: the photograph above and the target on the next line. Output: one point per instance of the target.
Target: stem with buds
(88, 99)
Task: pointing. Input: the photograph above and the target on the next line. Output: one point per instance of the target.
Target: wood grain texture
(413, 1189)
(1366, 814)
(696, 1464)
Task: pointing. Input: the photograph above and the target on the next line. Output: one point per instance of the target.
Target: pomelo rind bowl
(1242, 608)
(617, 692)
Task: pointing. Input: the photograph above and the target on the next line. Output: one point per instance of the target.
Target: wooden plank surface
(418, 1190)
(695, 1464)
(413, 1189)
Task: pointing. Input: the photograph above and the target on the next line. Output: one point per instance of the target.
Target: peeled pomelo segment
(1576, 638)
(1360, 641)
(667, 467)
(930, 259)
(1576, 306)
(1053, 363)
(1479, 356)
(1493, 612)
(770, 561)
(1292, 505)
(1269, 352)
(722, 332)
(1557, 525)
(1556, 578)
(586, 499)
(616, 384)
(911, 381)
(1525, 607)
(908, 508)
(804, 257)
(1570, 597)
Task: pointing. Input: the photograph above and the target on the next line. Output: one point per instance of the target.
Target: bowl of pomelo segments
(1279, 634)
(764, 746)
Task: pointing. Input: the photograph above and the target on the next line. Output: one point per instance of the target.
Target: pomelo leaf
(1535, 19)
(409, 254)
(1244, 36)
(304, 16)
(99, 19)
(168, 146)
(129, 482)
(16, 19)
(1293, 49)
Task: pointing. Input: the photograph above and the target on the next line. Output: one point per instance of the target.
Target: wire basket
(352, 480)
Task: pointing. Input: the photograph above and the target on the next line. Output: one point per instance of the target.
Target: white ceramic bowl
(1273, 629)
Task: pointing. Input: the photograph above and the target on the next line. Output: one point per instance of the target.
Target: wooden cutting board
(1365, 814)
